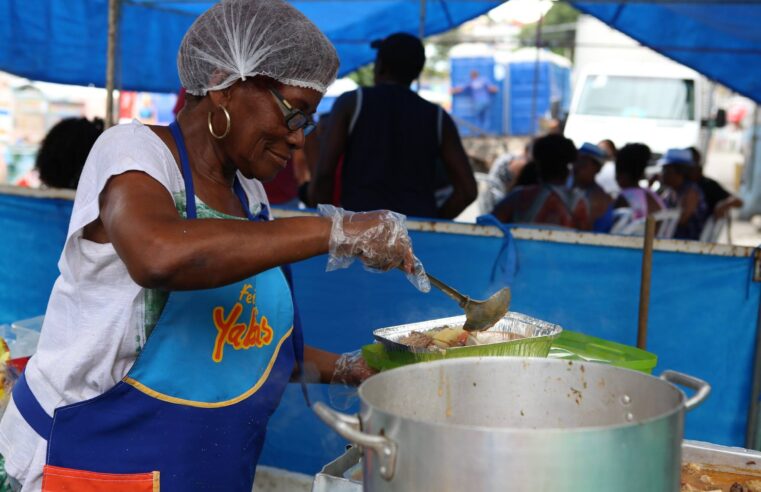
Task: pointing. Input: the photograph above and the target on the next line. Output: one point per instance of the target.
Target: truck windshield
(638, 97)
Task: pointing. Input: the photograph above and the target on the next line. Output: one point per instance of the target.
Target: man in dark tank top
(397, 147)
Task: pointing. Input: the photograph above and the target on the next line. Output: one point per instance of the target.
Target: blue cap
(676, 156)
(593, 151)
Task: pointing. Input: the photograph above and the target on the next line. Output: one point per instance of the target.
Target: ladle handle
(461, 299)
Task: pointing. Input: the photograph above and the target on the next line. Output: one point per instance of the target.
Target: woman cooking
(170, 333)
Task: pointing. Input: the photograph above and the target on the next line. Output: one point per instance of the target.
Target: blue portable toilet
(514, 74)
(533, 73)
(466, 58)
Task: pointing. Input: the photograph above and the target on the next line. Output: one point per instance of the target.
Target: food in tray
(700, 478)
(450, 337)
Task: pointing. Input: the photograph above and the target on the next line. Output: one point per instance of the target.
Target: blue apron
(194, 406)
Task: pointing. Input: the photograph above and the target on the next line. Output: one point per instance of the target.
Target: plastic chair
(666, 222)
(490, 192)
(712, 229)
(622, 218)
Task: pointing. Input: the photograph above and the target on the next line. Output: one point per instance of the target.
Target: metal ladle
(479, 315)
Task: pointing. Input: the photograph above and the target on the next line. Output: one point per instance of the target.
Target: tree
(363, 76)
(558, 30)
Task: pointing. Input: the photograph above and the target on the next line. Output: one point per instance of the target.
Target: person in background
(480, 91)
(682, 193)
(718, 200)
(63, 153)
(606, 178)
(587, 165)
(502, 177)
(609, 148)
(391, 140)
(527, 175)
(631, 162)
(550, 201)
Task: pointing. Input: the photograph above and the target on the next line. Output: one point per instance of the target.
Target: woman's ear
(221, 97)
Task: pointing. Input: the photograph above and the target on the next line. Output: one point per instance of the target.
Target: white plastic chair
(666, 221)
(622, 217)
(712, 229)
(490, 192)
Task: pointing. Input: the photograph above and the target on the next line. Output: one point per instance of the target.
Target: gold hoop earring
(227, 129)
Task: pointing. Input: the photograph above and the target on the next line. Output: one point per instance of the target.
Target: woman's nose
(296, 139)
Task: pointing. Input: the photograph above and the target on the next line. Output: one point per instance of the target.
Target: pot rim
(679, 408)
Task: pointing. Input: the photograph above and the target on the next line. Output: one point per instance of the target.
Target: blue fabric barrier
(33, 234)
(703, 310)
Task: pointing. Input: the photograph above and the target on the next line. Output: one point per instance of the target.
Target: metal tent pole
(113, 20)
(534, 93)
(421, 31)
(421, 26)
(644, 287)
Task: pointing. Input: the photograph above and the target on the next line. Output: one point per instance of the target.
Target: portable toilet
(465, 59)
(532, 73)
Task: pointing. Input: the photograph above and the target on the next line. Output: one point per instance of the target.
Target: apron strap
(263, 215)
(298, 336)
(30, 408)
(187, 176)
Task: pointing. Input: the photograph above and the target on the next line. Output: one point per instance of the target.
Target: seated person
(718, 200)
(64, 151)
(682, 193)
(631, 162)
(549, 201)
(588, 163)
(607, 175)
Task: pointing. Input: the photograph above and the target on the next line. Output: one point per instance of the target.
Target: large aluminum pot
(519, 424)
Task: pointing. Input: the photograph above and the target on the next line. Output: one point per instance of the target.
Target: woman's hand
(351, 369)
(379, 239)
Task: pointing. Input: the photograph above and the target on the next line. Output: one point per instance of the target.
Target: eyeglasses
(295, 119)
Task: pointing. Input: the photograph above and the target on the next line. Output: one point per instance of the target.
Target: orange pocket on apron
(57, 479)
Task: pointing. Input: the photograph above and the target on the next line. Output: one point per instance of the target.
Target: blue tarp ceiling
(65, 40)
(721, 40)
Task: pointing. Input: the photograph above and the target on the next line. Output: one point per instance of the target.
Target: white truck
(627, 93)
(653, 104)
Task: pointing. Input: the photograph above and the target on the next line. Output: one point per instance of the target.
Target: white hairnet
(236, 39)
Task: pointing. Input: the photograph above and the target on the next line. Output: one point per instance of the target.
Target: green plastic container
(569, 345)
(577, 346)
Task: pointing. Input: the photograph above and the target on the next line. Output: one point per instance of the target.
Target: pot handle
(347, 426)
(702, 389)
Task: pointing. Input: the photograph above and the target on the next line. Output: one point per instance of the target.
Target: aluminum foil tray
(724, 458)
(538, 337)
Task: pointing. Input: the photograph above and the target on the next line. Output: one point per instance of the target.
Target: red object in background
(284, 187)
(180, 102)
(19, 363)
(337, 181)
(736, 114)
(127, 101)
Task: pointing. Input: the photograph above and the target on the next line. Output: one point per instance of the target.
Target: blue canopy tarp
(720, 40)
(65, 41)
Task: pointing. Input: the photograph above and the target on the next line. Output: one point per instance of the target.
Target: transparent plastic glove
(351, 369)
(379, 239)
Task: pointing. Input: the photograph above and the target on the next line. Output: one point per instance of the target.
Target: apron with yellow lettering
(191, 413)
